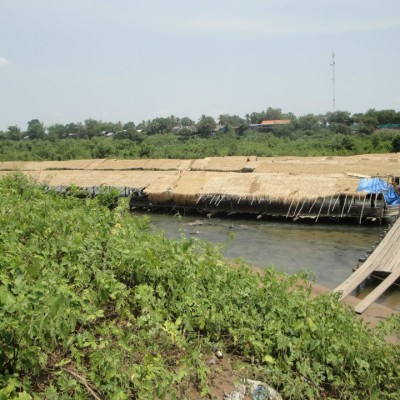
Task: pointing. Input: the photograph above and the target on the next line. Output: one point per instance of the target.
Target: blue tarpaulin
(378, 185)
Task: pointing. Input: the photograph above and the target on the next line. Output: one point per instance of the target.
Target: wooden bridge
(385, 260)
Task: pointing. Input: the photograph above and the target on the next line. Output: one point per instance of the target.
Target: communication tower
(333, 82)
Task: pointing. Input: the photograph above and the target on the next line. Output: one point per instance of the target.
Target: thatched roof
(221, 163)
(101, 164)
(130, 179)
(190, 185)
(282, 179)
(369, 164)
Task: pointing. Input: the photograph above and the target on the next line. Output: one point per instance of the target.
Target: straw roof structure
(88, 178)
(280, 179)
(186, 188)
(221, 163)
(366, 164)
(98, 164)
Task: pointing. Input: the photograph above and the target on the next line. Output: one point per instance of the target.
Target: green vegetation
(338, 133)
(94, 304)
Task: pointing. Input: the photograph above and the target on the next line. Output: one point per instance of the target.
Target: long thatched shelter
(292, 187)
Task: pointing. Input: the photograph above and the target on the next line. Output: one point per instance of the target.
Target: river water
(330, 251)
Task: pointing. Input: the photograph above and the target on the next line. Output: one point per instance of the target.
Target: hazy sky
(128, 60)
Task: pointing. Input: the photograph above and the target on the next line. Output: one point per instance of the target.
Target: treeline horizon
(91, 127)
(333, 133)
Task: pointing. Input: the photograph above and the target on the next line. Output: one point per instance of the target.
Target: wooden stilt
(290, 207)
(351, 204)
(222, 197)
(323, 201)
(329, 206)
(301, 208)
(312, 205)
(344, 205)
(362, 209)
(297, 205)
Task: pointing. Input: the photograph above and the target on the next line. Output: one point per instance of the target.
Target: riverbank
(374, 314)
(225, 373)
(112, 309)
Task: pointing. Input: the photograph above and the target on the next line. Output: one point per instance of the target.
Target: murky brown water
(329, 250)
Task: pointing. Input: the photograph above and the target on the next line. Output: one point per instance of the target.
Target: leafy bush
(93, 304)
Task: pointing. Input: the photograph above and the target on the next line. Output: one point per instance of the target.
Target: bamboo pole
(351, 204)
(304, 202)
(344, 205)
(312, 205)
(290, 207)
(334, 205)
(362, 209)
(323, 201)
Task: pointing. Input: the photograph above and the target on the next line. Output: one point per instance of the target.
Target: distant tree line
(333, 133)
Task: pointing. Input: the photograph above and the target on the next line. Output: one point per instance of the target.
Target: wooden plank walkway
(385, 258)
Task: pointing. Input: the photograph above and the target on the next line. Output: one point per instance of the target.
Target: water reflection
(329, 250)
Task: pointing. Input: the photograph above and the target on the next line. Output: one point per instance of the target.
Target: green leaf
(36, 266)
(311, 324)
(299, 325)
(6, 297)
(269, 359)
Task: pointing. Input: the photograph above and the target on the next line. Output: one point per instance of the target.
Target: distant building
(273, 122)
(267, 125)
(389, 126)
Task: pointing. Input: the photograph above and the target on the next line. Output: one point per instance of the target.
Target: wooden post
(344, 205)
(329, 206)
(290, 207)
(298, 213)
(323, 201)
(334, 205)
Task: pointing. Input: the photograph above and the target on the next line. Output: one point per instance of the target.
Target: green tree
(74, 130)
(35, 129)
(368, 123)
(13, 133)
(186, 122)
(161, 125)
(56, 131)
(274, 113)
(206, 126)
(92, 128)
(129, 132)
(130, 126)
(396, 144)
(269, 114)
(230, 120)
(386, 116)
(308, 123)
(339, 117)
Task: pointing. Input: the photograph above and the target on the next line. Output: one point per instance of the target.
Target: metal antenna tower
(333, 82)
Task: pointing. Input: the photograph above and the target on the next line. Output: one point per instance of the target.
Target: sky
(65, 61)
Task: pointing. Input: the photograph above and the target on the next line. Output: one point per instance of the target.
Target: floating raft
(288, 187)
